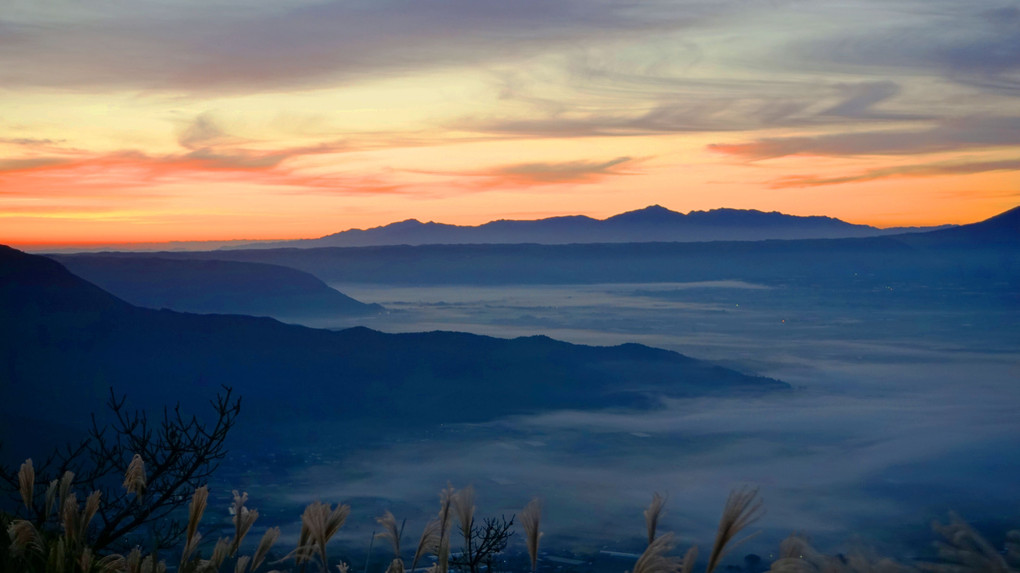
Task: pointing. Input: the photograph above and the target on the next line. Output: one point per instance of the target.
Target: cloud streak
(563, 172)
(924, 170)
(954, 135)
(300, 44)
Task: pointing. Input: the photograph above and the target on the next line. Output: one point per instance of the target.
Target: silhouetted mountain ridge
(653, 223)
(1002, 230)
(969, 255)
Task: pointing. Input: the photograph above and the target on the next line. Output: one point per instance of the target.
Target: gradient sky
(146, 120)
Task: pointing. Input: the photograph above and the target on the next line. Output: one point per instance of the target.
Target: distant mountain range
(64, 341)
(650, 224)
(977, 252)
(208, 286)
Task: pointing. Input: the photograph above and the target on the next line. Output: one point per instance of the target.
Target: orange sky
(188, 120)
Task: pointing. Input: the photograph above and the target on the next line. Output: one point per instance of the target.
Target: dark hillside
(63, 342)
(208, 286)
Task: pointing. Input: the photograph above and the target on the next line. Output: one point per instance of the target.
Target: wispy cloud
(563, 172)
(954, 135)
(297, 44)
(30, 141)
(925, 170)
(537, 173)
(20, 165)
(972, 43)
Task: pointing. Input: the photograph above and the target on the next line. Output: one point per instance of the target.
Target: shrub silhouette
(178, 454)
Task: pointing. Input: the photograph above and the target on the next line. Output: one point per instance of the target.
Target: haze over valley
(866, 385)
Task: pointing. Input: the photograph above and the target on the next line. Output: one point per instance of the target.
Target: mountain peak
(649, 215)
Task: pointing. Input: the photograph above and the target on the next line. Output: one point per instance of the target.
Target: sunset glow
(159, 121)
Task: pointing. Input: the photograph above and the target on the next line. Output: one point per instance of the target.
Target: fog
(902, 410)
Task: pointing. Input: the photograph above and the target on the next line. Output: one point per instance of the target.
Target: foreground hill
(64, 341)
(226, 287)
(653, 223)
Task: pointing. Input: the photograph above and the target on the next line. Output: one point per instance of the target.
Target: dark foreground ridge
(64, 341)
(210, 286)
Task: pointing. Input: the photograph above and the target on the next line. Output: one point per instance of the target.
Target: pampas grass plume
(964, 550)
(429, 542)
(689, 558)
(88, 512)
(25, 538)
(26, 482)
(464, 505)
(531, 515)
(51, 496)
(322, 522)
(445, 523)
(654, 558)
(133, 561)
(742, 509)
(389, 526)
(69, 516)
(134, 477)
(653, 513)
(65, 487)
(196, 508)
(265, 544)
(243, 519)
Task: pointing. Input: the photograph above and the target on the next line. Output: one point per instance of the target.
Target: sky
(146, 120)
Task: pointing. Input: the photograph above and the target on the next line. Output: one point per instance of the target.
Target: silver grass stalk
(189, 548)
(343, 567)
(69, 517)
(111, 564)
(88, 512)
(199, 501)
(390, 531)
(964, 550)
(322, 522)
(65, 487)
(26, 482)
(396, 566)
(464, 505)
(150, 565)
(244, 518)
(85, 560)
(653, 513)
(134, 477)
(242, 564)
(58, 555)
(689, 558)
(51, 496)
(219, 554)
(445, 524)
(654, 558)
(25, 538)
(797, 555)
(429, 542)
(531, 515)
(133, 560)
(742, 509)
(265, 544)
(302, 553)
